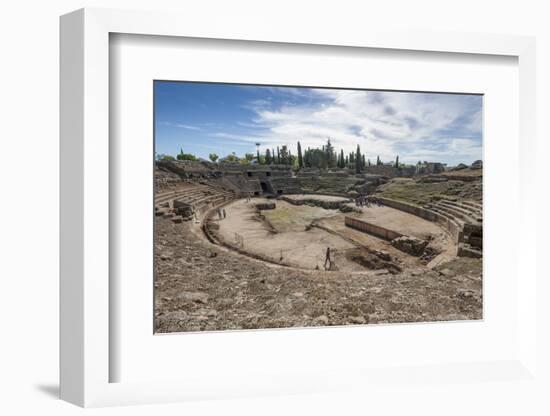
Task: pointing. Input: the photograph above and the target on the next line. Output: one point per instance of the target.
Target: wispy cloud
(234, 137)
(414, 125)
(179, 125)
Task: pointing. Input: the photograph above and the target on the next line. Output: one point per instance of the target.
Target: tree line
(325, 157)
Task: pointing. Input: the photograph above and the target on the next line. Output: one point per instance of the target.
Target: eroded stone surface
(203, 287)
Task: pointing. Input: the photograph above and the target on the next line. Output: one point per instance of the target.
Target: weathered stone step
(473, 204)
(465, 250)
(190, 195)
(456, 221)
(474, 210)
(456, 213)
(467, 212)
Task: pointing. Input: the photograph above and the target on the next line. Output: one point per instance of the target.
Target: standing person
(327, 258)
(223, 210)
(219, 214)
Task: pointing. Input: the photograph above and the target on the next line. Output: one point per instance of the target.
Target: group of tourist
(367, 201)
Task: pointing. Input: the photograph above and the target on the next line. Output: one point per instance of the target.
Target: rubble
(411, 245)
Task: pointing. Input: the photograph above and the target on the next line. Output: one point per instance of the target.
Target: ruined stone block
(266, 205)
(410, 245)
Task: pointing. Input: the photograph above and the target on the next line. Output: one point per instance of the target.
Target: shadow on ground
(51, 390)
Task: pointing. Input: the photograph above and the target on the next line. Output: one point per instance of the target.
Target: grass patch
(288, 217)
(423, 193)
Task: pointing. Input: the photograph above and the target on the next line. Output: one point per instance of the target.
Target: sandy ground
(411, 225)
(283, 238)
(285, 234)
(399, 221)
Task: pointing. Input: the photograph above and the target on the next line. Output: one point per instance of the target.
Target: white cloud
(179, 125)
(382, 123)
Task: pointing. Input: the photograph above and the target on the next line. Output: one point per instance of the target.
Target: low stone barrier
(368, 228)
(317, 202)
(265, 206)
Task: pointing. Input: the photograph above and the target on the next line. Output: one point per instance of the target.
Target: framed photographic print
(287, 213)
(299, 206)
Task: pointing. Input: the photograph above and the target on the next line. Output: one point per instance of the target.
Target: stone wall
(284, 185)
(244, 185)
(368, 228)
(316, 202)
(452, 227)
(384, 170)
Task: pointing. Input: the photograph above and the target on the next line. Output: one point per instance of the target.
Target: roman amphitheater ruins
(263, 246)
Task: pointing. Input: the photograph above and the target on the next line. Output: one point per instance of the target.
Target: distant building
(389, 170)
(478, 164)
(430, 167)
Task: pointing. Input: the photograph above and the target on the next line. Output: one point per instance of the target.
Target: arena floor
(298, 235)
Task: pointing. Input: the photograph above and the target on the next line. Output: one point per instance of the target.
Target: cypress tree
(397, 162)
(300, 158)
(358, 160)
(329, 154)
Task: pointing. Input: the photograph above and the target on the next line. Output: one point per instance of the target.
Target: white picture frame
(86, 355)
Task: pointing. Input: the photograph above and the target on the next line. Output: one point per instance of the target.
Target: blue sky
(207, 118)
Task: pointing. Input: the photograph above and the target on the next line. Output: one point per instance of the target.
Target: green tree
(213, 157)
(268, 160)
(185, 156)
(307, 158)
(358, 160)
(278, 156)
(315, 158)
(284, 155)
(397, 162)
(232, 158)
(330, 157)
(300, 158)
(378, 161)
(248, 157)
(165, 157)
